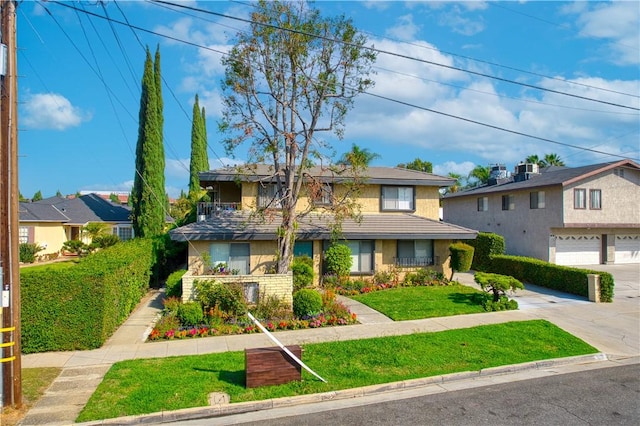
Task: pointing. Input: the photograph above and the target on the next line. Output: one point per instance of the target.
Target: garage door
(578, 249)
(627, 249)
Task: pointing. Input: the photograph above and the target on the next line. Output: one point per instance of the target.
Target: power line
(399, 55)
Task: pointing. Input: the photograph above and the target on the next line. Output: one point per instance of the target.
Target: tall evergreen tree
(199, 159)
(148, 193)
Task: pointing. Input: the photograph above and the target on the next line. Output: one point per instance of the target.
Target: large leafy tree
(148, 193)
(199, 157)
(291, 76)
(419, 165)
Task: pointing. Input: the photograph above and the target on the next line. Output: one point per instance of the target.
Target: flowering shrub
(422, 277)
(219, 323)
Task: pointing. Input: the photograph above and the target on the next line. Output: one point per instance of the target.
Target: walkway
(612, 328)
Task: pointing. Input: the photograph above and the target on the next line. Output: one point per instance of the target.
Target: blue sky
(79, 85)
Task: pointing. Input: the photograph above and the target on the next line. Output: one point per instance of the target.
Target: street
(604, 396)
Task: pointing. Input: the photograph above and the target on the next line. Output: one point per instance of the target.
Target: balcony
(207, 210)
(414, 262)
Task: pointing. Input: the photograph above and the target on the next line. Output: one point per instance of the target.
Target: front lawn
(153, 385)
(408, 303)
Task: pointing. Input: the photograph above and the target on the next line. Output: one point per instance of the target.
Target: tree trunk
(286, 240)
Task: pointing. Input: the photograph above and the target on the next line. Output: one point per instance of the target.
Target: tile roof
(547, 177)
(84, 209)
(372, 175)
(242, 226)
(34, 212)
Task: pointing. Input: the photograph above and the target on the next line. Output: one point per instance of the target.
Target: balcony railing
(207, 210)
(413, 262)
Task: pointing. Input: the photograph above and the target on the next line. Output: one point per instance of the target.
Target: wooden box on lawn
(271, 366)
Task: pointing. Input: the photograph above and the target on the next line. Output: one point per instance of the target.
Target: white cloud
(461, 24)
(616, 22)
(51, 111)
(404, 29)
(177, 168)
(461, 169)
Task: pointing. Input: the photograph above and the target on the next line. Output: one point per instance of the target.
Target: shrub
(75, 247)
(486, 245)
(504, 304)
(226, 297)
(461, 256)
(167, 323)
(174, 284)
(424, 276)
(190, 313)
(171, 305)
(306, 303)
(497, 284)
(271, 307)
(557, 277)
(28, 252)
(387, 277)
(104, 241)
(338, 260)
(302, 272)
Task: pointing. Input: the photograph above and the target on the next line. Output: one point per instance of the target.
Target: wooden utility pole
(9, 201)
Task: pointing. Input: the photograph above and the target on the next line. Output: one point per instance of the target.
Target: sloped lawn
(408, 303)
(153, 385)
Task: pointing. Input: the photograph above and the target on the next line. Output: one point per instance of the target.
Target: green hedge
(557, 277)
(485, 246)
(78, 308)
(461, 256)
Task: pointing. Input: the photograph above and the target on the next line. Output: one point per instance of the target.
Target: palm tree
(534, 159)
(457, 185)
(357, 157)
(552, 160)
(480, 174)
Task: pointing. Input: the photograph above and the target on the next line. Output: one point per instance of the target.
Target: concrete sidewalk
(612, 328)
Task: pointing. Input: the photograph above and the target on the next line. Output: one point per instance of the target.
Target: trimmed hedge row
(485, 246)
(545, 274)
(78, 308)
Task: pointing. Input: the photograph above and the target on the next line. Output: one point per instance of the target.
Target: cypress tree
(148, 193)
(199, 159)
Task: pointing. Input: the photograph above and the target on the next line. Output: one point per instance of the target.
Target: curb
(221, 410)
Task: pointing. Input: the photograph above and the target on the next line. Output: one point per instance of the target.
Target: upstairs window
(508, 202)
(483, 204)
(268, 196)
(579, 198)
(399, 198)
(595, 199)
(322, 194)
(536, 200)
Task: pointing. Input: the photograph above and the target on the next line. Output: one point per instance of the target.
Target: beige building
(399, 226)
(568, 216)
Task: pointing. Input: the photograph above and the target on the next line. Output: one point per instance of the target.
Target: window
(23, 234)
(579, 198)
(303, 248)
(124, 232)
(595, 199)
(235, 255)
(397, 198)
(361, 256)
(618, 172)
(415, 253)
(322, 194)
(508, 202)
(251, 292)
(268, 196)
(536, 200)
(483, 204)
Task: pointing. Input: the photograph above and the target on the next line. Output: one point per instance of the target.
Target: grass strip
(153, 385)
(408, 303)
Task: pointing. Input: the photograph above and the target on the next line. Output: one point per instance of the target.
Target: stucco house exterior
(567, 216)
(399, 226)
(52, 221)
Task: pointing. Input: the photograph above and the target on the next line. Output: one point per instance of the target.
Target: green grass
(408, 303)
(152, 385)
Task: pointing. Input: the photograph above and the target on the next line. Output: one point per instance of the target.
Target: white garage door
(627, 249)
(578, 249)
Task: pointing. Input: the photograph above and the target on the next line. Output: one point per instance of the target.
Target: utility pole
(10, 362)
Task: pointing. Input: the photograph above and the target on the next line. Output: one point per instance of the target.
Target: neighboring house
(399, 226)
(52, 221)
(568, 216)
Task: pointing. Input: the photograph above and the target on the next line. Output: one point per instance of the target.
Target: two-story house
(399, 225)
(568, 216)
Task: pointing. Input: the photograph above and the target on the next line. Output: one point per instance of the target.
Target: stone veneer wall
(280, 285)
